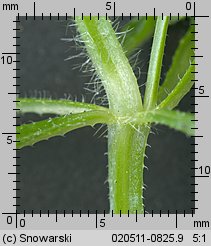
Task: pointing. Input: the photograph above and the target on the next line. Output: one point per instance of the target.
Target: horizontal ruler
(108, 8)
(104, 221)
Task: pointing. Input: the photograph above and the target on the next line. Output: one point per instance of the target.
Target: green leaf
(59, 107)
(180, 63)
(137, 33)
(110, 63)
(181, 89)
(29, 134)
(155, 64)
(177, 120)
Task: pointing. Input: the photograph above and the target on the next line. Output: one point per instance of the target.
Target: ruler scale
(77, 227)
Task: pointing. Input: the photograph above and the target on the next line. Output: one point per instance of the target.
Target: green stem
(126, 145)
(126, 150)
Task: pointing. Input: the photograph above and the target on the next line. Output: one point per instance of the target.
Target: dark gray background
(71, 172)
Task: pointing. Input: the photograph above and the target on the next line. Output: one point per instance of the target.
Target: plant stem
(126, 151)
(126, 145)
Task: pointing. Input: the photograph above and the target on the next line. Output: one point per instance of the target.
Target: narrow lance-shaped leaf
(155, 64)
(29, 134)
(59, 107)
(110, 63)
(180, 64)
(177, 120)
(181, 89)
